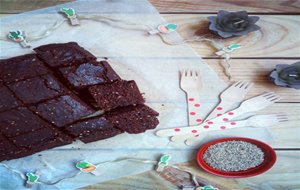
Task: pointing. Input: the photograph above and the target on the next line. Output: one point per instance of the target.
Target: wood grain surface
(278, 42)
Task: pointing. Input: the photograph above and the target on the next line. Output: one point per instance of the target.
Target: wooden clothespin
(164, 28)
(19, 37)
(87, 167)
(228, 49)
(163, 162)
(32, 178)
(71, 14)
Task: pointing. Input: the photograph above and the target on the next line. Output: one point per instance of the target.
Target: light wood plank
(19, 6)
(279, 36)
(263, 6)
(257, 71)
(284, 175)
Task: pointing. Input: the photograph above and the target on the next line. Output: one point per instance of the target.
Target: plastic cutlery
(191, 84)
(254, 121)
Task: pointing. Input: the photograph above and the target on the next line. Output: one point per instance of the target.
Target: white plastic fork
(191, 84)
(250, 105)
(230, 98)
(254, 121)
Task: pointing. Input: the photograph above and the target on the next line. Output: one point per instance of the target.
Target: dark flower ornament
(286, 75)
(229, 24)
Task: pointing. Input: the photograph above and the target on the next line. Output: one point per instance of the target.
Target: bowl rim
(269, 158)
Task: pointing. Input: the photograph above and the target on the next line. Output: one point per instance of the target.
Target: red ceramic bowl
(269, 159)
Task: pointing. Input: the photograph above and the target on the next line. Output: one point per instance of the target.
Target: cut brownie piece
(62, 110)
(18, 121)
(8, 149)
(41, 139)
(65, 54)
(116, 94)
(21, 67)
(133, 119)
(38, 89)
(7, 99)
(92, 129)
(89, 73)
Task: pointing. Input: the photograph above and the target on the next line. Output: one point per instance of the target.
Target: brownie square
(62, 110)
(133, 119)
(38, 89)
(8, 149)
(116, 94)
(43, 138)
(18, 121)
(92, 129)
(21, 67)
(64, 54)
(89, 73)
(7, 99)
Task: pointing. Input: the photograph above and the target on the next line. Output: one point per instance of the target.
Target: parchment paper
(134, 55)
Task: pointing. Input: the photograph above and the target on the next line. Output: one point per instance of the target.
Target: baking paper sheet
(134, 55)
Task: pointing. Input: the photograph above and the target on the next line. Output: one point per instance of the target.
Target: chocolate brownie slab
(116, 94)
(37, 89)
(21, 67)
(133, 119)
(7, 99)
(64, 54)
(62, 110)
(18, 121)
(41, 139)
(8, 149)
(89, 73)
(92, 129)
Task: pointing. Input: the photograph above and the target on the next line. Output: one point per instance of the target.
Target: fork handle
(193, 102)
(220, 109)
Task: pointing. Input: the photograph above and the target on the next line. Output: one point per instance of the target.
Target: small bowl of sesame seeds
(236, 157)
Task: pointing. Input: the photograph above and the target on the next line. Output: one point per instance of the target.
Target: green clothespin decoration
(164, 28)
(71, 14)
(163, 162)
(19, 37)
(87, 167)
(207, 187)
(228, 49)
(32, 179)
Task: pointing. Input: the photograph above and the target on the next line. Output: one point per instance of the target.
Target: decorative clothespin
(163, 162)
(228, 49)
(32, 179)
(165, 28)
(71, 14)
(207, 187)
(18, 36)
(87, 167)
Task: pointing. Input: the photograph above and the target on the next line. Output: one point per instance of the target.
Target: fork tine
(237, 83)
(249, 85)
(266, 94)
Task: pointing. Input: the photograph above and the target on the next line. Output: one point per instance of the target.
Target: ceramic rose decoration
(230, 24)
(286, 75)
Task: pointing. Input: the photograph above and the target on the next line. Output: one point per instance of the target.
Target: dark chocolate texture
(65, 54)
(37, 89)
(7, 99)
(92, 129)
(117, 94)
(89, 73)
(21, 67)
(18, 121)
(62, 110)
(133, 119)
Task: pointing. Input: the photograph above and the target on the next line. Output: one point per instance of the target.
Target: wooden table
(277, 42)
